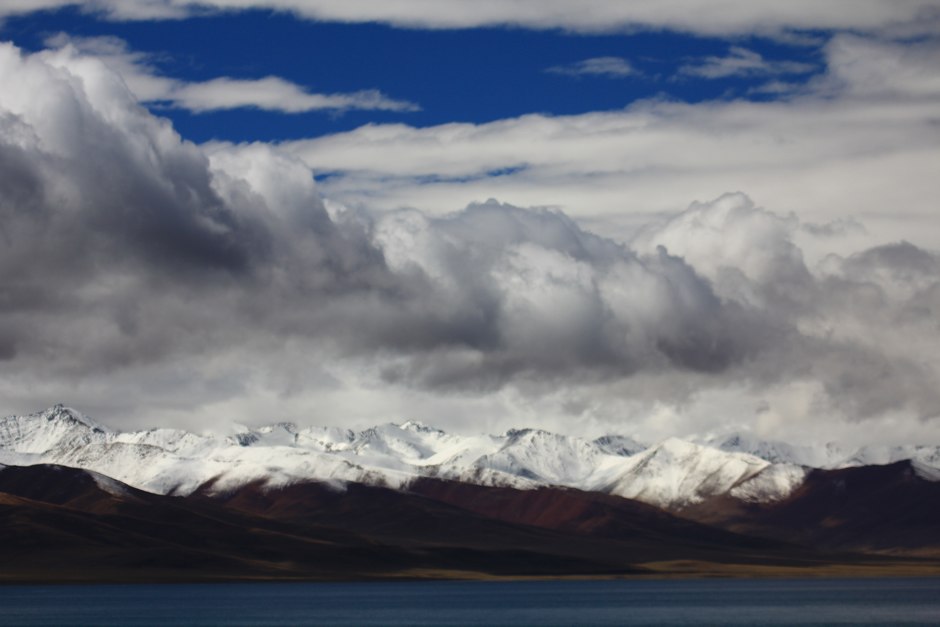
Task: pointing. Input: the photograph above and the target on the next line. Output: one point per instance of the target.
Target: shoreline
(658, 572)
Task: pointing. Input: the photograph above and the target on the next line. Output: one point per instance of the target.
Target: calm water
(715, 602)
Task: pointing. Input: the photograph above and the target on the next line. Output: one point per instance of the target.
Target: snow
(773, 483)
(827, 455)
(819, 456)
(621, 445)
(543, 457)
(109, 485)
(674, 473)
(56, 427)
(930, 473)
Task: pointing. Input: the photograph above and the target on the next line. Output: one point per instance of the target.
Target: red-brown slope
(68, 528)
(566, 522)
(586, 513)
(889, 509)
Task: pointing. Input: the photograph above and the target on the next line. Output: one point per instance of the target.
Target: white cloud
(873, 68)
(835, 151)
(20, 7)
(610, 67)
(275, 94)
(270, 93)
(720, 17)
(742, 62)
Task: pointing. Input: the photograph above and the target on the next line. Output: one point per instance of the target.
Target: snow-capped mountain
(829, 455)
(55, 429)
(673, 473)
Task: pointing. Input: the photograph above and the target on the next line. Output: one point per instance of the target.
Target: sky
(648, 218)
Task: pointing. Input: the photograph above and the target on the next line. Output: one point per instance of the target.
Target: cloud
(834, 150)
(610, 67)
(883, 69)
(856, 326)
(131, 249)
(742, 62)
(152, 281)
(270, 93)
(724, 18)
(276, 94)
(20, 7)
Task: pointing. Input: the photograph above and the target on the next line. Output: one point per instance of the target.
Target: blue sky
(465, 75)
(651, 218)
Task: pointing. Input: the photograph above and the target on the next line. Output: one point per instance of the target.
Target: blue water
(692, 602)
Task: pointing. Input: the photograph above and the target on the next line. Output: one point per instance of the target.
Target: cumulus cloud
(742, 62)
(726, 17)
(610, 67)
(270, 93)
(854, 325)
(148, 279)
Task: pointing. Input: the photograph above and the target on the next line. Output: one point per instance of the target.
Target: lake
(682, 602)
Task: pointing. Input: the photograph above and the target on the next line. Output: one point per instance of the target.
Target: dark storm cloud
(134, 260)
(119, 245)
(156, 248)
(20, 184)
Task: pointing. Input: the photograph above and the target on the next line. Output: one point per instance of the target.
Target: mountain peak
(60, 412)
(619, 445)
(514, 435)
(56, 428)
(418, 427)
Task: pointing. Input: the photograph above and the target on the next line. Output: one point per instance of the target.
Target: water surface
(687, 602)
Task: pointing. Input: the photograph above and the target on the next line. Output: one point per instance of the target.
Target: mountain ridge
(673, 474)
(61, 525)
(409, 500)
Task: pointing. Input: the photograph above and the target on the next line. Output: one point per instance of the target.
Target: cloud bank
(151, 280)
(721, 18)
(860, 140)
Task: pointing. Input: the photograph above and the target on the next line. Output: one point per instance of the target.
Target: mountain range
(86, 502)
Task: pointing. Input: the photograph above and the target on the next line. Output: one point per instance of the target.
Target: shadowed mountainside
(69, 528)
(888, 509)
(66, 524)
